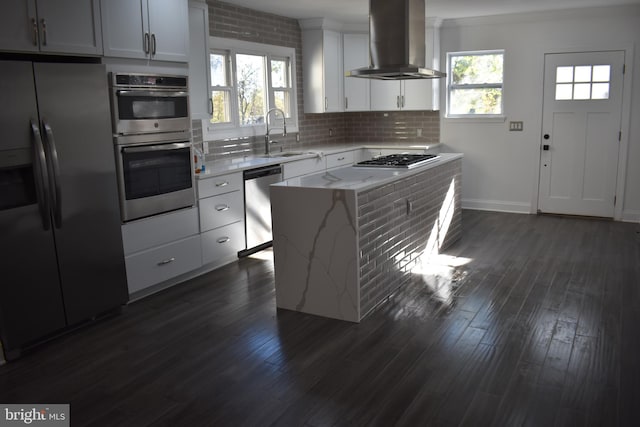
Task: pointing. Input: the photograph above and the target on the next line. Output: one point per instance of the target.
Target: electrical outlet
(297, 137)
(419, 132)
(516, 126)
(330, 132)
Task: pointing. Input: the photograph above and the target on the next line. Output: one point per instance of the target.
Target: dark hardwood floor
(537, 323)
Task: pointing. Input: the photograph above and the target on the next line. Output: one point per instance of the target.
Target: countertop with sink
(224, 166)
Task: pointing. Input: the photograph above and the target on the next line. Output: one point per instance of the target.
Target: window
(247, 80)
(474, 84)
(582, 82)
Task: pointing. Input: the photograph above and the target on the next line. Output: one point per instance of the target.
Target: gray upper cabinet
(146, 29)
(60, 27)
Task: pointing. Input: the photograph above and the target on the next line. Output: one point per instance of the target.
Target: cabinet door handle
(398, 101)
(167, 261)
(44, 31)
(402, 98)
(210, 106)
(223, 240)
(346, 103)
(326, 103)
(221, 208)
(146, 43)
(34, 24)
(153, 44)
(222, 184)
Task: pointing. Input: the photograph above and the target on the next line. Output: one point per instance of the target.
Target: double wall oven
(153, 143)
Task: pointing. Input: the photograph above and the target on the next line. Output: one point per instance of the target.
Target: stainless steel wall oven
(152, 138)
(155, 173)
(149, 103)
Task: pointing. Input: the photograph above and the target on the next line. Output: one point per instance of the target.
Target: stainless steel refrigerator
(61, 256)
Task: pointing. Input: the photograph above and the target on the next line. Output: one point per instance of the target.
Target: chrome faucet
(267, 141)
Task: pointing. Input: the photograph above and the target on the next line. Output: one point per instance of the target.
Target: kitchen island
(346, 239)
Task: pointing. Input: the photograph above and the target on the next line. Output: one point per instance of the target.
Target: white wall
(500, 168)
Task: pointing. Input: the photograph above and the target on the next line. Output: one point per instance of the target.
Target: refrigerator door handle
(41, 179)
(54, 175)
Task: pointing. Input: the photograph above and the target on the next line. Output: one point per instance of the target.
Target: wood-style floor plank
(535, 323)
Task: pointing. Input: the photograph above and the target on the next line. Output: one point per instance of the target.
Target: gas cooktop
(397, 161)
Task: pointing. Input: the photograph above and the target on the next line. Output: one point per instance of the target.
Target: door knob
(546, 136)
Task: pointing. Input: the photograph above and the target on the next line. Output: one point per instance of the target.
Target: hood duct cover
(396, 42)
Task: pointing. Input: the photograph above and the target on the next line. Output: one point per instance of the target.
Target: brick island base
(339, 252)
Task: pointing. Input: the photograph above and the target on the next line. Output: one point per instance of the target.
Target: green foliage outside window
(475, 85)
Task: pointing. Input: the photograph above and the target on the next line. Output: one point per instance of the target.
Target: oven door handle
(155, 147)
(153, 93)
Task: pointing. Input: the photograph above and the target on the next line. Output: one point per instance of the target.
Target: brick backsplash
(392, 239)
(234, 22)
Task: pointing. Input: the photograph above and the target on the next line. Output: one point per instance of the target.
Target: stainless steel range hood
(396, 42)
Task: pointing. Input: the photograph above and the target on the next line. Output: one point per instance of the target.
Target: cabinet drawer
(213, 186)
(156, 265)
(302, 167)
(222, 244)
(339, 159)
(221, 210)
(158, 230)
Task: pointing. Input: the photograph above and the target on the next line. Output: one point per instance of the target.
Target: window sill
(468, 119)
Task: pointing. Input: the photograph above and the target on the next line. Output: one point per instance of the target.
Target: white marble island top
(238, 164)
(358, 179)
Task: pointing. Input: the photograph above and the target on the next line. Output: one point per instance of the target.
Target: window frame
(451, 86)
(233, 128)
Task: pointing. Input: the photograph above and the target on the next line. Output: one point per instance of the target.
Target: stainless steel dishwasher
(257, 207)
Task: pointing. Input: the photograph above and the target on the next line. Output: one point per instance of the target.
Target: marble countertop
(239, 164)
(359, 179)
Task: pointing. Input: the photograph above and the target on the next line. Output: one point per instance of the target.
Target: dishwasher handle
(261, 172)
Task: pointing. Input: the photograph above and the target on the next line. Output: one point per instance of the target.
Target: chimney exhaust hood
(396, 42)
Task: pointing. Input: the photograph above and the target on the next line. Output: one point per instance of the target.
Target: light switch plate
(516, 126)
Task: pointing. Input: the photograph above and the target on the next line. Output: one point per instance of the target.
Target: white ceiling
(356, 11)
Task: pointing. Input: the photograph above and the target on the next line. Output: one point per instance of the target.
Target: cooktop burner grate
(397, 161)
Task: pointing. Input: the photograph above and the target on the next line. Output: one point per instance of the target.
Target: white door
(580, 133)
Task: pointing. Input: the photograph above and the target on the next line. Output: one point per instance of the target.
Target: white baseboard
(496, 205)
(631, 216)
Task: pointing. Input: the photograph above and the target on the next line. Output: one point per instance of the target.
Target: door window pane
(600, 91)
(601, 73)
(251, 88)
(583, 74)
(579, 82)
(564, 92)
(564, 75)
(582, 91)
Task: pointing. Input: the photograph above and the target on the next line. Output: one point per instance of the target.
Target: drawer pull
(223, 240)
(340, 159)
(221, 208)
(222, 184)
(167, 261)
